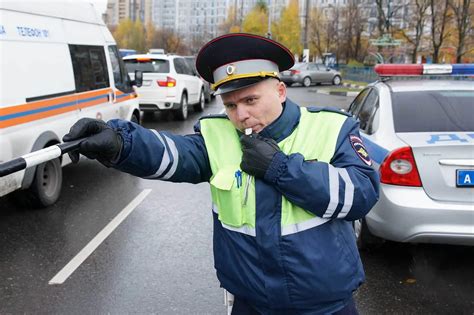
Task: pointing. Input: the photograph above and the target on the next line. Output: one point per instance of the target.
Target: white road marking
(62, 276)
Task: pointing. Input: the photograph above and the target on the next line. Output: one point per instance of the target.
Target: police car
(420, 136)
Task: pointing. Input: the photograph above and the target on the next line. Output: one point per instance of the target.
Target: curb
(334, 92)
(353, 86)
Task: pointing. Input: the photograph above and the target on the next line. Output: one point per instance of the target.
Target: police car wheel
(182, 112)
(307, 81)
(46, 186)
(336, 80)
(364, 238)
(199, 107)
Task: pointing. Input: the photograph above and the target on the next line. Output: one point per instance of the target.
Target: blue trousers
(241, 307)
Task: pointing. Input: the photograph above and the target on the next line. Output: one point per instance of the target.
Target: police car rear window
(426, 111)
(152, 65)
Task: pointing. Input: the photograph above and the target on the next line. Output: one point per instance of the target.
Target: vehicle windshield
(152, 65)
(299, 65)
(426, 111)
(191, 63)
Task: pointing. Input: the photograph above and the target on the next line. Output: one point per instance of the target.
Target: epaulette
(317, 109)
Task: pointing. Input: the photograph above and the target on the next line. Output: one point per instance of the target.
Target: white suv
(168, 84)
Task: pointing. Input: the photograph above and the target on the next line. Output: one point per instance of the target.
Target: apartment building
(118, 10)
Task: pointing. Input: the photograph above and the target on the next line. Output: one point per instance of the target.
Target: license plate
(286, 72)
(465, 178)
(146, 83)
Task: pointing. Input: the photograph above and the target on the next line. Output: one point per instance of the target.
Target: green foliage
(256, 21)
(262, 5)
(287, 31)
(230, 24)
(130, 35)
(355, 64)
(133, 35)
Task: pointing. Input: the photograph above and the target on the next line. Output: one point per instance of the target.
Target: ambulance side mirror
(138, 78)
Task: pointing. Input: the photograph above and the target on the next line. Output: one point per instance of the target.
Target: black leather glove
(257, 155)
(102, 143)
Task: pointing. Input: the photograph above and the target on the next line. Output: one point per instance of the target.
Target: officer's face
(256, 106)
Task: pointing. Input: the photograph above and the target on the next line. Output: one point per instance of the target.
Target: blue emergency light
(458, 69)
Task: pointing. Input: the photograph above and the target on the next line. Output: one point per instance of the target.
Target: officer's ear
(281, 88)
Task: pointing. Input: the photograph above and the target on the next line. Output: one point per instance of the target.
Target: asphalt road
(159, 258)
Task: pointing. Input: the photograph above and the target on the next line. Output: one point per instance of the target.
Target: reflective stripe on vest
(315, 138)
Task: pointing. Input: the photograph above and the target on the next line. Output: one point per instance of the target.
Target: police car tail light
(399, 168)
(170, 82)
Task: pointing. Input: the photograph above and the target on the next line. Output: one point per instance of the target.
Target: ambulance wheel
(135, 118)
(47, 183)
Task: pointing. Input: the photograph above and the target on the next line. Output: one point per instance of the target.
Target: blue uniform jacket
(311, 272)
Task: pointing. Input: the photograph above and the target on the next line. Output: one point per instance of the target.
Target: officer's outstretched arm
(143, 152)
(162, 155)
(346, 188)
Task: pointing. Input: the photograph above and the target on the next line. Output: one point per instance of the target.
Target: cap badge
(230, 69)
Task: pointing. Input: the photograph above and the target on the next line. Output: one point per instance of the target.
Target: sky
(100, 5)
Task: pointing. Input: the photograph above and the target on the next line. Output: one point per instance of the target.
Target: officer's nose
(242, 113)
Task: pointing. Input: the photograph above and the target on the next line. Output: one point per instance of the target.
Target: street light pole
(305, 33)
(269, 29)
(241, 13)
(305, 36)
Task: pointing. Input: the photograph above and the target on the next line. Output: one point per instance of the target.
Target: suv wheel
(199, 107)
(336, 80)
(306, 81)
(182, 112)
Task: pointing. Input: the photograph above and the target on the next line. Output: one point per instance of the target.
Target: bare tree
(384, 16)
(352, 27)
(416, 24)
(170, 42)
(332, 32)
(439, 20)
(463, 12)
(315, 31)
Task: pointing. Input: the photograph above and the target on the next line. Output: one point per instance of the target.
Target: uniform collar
(284, 125)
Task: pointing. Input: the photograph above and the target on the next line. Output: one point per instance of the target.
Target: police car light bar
(385, 70)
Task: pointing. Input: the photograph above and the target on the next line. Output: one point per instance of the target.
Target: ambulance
(59, 63)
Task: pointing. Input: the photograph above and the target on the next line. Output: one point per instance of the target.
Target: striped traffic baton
(38, 157)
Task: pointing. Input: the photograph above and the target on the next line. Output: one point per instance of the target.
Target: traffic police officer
(284, 195)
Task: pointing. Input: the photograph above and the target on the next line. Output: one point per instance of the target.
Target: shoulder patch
(360, 149)
(317, 109)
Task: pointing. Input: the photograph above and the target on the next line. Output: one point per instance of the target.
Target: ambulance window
(90, 67)
(121, 79)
